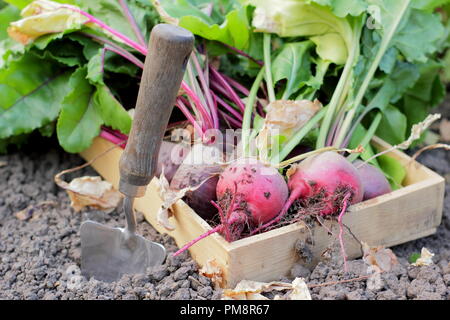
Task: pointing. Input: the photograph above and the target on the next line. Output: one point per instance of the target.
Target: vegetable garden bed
(412, 212)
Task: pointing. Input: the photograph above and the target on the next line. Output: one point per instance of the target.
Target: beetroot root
(374, 181)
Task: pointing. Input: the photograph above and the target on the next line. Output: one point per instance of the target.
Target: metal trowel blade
(108, 253)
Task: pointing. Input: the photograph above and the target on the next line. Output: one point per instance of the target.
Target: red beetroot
(374, 181)
(249, 194)
(259, 190)
(328, 178)
(328, 173)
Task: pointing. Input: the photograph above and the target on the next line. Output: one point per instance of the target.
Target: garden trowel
(108, 253)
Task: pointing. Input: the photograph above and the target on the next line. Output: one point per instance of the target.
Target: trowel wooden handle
(169, 50)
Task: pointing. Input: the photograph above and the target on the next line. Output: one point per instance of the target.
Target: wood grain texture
(169, 50)
(407, 214)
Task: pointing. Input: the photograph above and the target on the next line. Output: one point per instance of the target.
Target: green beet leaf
(402, 78)
(32, 91)
(342, 8)
(7, 15)
(95, 68)
(333, 36)
(427, 92)
(420, 36)
(9, 49)
(429, 5)
(112, 112)
(393, 169)
(117, 64)
(293, 63)
(108, 61)
(393, 126)
(357, 136)
(79, 122)
(111, 13)
(20, 4)
(233, 30)
(23, 3)
(90, 47)
(64, 51)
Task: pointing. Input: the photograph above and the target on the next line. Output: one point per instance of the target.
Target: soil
(40, 256)
(40, 252)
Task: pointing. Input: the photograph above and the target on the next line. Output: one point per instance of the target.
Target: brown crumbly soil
(40, 256)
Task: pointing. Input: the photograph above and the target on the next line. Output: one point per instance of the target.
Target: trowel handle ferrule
(169, 50)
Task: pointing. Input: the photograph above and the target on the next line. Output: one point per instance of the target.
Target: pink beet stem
(120, 51)
(228, 88)
(229, 108)
(236, 85)
(126, 55)
(117, 133)
(179, 103)
(231, 120)
(110, 137)
(101, 24)
(206, 234)
(132, 22)
(341, 229)
(203, 236)
(198, 104)
(242, 53)
(207, 91)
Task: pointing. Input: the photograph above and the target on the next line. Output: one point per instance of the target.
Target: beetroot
(374, 181)
(170, 157)
(326, 179)
(201, 166)
(330, 183)
(327, 175)
(249, 194)
(259, 191)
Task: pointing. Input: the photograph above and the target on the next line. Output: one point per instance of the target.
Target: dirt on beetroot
(40, 252)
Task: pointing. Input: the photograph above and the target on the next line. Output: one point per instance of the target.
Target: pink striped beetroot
(325, 179)
(329, 174)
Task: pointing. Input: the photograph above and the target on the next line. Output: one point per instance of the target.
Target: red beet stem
(203, 236)
(218, 228)
(341, 228)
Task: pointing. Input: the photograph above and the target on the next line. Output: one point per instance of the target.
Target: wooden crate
(407, 214)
